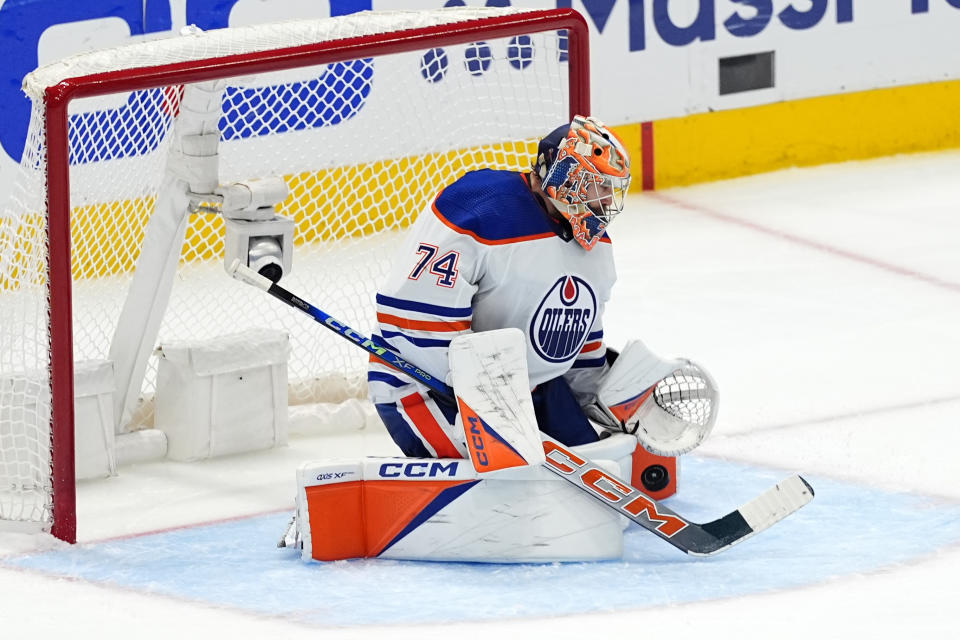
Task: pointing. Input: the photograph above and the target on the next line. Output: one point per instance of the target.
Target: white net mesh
(364, 145)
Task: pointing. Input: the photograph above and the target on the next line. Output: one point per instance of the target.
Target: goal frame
(58, 97)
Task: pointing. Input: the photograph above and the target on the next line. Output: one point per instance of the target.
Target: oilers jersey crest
(485, 256)
(563, 319)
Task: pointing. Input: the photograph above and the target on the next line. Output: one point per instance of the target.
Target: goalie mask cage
(365, 116)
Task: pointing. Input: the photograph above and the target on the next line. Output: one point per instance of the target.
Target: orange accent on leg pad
(336, 521)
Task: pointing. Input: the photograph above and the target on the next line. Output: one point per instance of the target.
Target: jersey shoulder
(493, 207)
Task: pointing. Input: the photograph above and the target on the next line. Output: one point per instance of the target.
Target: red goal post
(57, 88)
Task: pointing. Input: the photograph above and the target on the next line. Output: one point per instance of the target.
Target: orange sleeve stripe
(427, 426)
(423, 325)
(591, 346)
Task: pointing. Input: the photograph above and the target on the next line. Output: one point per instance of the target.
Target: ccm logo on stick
(626, 498)
(418, 469)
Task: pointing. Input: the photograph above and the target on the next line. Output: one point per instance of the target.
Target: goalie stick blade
(764, 511)
(695, 539)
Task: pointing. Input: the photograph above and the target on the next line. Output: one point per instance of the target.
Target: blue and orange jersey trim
(422, 325)
(591, 346)
(489, 241)
(404, 320)
(493, 207)
(423, 307)
(419, 342)
(589, 363)
(593, 353)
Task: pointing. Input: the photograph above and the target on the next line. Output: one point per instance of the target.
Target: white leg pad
(444, 510)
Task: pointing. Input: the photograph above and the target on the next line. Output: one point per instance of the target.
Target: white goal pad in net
(365, 117)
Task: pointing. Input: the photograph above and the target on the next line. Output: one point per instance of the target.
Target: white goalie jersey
(486, 256)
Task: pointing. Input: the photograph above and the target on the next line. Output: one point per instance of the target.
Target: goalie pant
(486, 256)
(424, 425)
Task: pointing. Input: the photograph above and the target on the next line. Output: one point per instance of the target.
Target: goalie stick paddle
(705, 539)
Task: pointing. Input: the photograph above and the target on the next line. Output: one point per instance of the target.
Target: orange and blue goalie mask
(588, 179)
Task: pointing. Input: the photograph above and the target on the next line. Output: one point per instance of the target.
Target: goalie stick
(705, 539)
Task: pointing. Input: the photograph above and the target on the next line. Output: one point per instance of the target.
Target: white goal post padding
(364, 141)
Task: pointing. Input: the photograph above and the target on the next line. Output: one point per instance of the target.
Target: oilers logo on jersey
(562, 321)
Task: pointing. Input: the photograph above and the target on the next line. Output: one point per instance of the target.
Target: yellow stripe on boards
(850, 126)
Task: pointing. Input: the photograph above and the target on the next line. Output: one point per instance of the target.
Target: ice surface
(824, 301)
(824, 541)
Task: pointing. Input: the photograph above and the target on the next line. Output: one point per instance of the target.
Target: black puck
(655, 477)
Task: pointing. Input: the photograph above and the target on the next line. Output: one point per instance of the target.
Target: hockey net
(365, 117)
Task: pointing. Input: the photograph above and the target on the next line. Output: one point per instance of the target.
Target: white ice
(825, 301)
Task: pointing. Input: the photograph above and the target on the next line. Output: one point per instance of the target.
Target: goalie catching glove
(670, 405)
